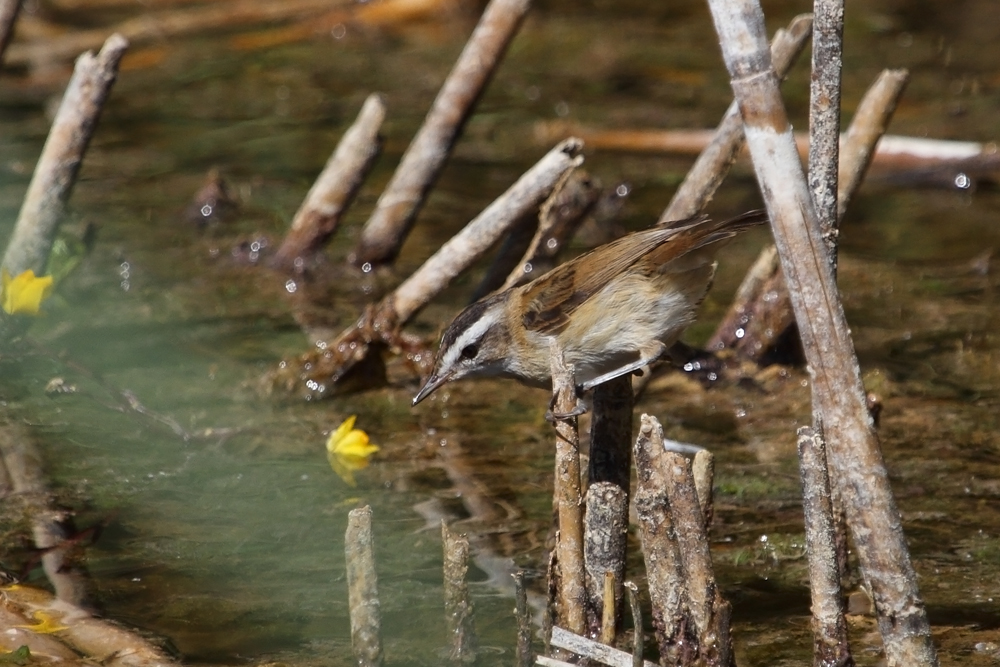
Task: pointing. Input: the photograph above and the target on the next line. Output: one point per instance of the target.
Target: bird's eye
(470, 351)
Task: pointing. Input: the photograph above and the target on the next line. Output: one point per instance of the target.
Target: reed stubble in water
(856, 460)
(380, 323)
(331, 195)
(362, 589)
(397, 207)
(22, 467)
(55, 174)
(605, 538)
(830, 645)
(457, 605)
(668, 593)
(572, 592)
(711, 614)
(761, 313)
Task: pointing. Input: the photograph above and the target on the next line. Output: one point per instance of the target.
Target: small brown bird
(612, 310)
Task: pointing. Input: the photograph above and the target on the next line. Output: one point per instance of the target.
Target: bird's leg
(646, 356)
(552, 416)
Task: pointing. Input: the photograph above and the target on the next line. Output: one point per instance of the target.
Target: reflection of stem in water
(22, 462)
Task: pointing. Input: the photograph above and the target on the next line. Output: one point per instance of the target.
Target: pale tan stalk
(856, 460)
(397, 208)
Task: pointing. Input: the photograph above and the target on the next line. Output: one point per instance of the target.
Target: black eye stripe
(470, 351)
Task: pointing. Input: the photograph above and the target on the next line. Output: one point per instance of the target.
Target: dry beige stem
(824, 115)
(332, 193)
(712, 165)
(162, 25)
(838, 395)
(362, 589)
(830, 645)
(457, 605)
(572, 594)
(397, 208)
(51, 184)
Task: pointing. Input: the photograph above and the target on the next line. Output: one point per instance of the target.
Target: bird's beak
(433, 382)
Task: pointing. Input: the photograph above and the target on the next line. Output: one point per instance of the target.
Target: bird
(611, 311)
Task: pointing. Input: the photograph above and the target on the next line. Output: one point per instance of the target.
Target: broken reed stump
(607, 499)
(571, 601)
(605, 537)
(856, 463)
(52, 182)
(457, 606)
(703, 468)
(525, 656)
(830, 647)
(672, 625)
(331, 195)
(690, 617)
(761, 313)
(362, 586)
(711, 614)
(397, 207)
(379, 325)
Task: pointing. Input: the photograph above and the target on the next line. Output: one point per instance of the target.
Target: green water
(231, 546)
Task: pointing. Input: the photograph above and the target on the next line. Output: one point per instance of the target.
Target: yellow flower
(46, 624)
(348, 449)
(25, 293)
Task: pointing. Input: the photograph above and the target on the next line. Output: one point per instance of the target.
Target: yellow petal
(338, 435)
(350, 441)
(46, 624)
(348, 449)
(24, 293)
(355, 443)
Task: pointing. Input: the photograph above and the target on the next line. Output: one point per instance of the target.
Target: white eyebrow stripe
(471, 335)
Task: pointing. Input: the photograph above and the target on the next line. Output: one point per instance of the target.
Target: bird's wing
(552, 298)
